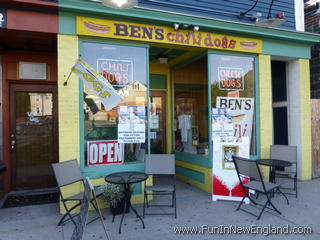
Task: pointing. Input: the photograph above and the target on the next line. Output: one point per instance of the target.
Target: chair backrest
(67, 172)
(160, 164)
(247, 167)
(284, 152)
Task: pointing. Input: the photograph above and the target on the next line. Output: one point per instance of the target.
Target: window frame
(256, 97)
(102, 171)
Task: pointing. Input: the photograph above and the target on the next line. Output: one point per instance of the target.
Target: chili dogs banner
(94, 81)
(159, 34)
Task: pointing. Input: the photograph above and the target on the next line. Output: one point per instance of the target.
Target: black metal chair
(162, 168)
(247, 168)
(67, 173)
(287, 153)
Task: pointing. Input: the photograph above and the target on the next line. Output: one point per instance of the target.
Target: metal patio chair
(162, 168)
(67, 173)
(247, 168)
(287, 153)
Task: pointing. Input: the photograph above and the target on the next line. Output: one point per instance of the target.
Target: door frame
(163, 95)
(30, 87)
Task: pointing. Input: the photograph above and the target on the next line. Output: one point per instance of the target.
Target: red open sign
(106, 152)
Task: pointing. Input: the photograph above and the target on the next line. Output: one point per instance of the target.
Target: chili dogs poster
(225, 181)
(242, 110)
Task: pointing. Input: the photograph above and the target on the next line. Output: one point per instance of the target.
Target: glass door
(158, 122)
(33, 134)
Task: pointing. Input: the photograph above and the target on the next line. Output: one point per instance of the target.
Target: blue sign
(3, 18)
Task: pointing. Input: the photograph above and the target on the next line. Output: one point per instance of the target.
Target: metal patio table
(273, 164)
(127, 178)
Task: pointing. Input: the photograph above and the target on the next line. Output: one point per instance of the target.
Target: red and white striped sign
(106, 152)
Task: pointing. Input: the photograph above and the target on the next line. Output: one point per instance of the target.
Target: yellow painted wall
(305, 118)
(265, 105)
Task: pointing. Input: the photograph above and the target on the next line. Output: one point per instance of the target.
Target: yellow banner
(158, 34)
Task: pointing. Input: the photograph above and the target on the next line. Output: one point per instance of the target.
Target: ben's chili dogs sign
(151, 33)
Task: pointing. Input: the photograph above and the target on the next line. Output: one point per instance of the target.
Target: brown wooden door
(158, 122)
(33, 135)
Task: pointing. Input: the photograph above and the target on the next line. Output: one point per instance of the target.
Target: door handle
(13, 144)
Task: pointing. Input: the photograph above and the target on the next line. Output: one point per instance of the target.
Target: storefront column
(299, 109)
(68, 99)
(265, 105)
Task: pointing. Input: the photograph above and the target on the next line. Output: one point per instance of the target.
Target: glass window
(116, 136)
(191, 108)
(233, 87)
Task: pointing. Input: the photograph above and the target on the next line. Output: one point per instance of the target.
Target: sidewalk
(195, 209)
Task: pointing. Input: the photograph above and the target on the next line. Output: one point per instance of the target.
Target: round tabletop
(126, 177)
(274, 162)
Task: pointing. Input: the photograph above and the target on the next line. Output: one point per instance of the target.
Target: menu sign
(230, 78)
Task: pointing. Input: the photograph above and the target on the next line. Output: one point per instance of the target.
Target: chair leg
(240, 203)
(283, 195)
(144, 203)
(68, 213)
(175, 204)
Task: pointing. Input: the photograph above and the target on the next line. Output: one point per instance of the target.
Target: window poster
(131, 127)
(105, 152)
(225, 181)
(222, 125)
(241, 110)
(230, 78)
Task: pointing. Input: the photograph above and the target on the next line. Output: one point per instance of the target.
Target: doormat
(27, 200)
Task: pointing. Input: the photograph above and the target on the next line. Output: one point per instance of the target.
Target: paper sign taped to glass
(222, 125)
(98, 85)
(131, 133)
(225, 181)
(132, 114)
(242, 110)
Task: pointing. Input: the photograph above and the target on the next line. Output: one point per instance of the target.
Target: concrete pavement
(195, 210)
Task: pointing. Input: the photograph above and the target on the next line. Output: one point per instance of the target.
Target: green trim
(158, 81)
(286, 49)
(101, 172)
(81, 7)
(257, 108)
(193, 159)
(148, 104)
(67, 23)
(209, 108)
(191, 174)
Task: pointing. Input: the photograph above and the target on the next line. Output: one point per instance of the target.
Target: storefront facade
(224, 64)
